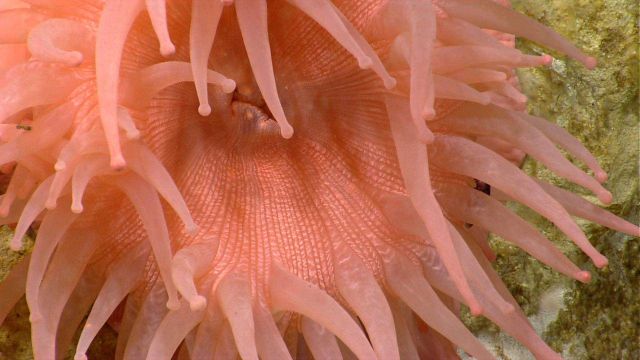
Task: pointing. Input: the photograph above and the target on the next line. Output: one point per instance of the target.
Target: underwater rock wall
(599, 320)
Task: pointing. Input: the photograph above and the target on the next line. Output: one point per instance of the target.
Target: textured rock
(600, 320)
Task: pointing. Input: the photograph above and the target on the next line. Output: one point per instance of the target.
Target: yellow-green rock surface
(600, 320)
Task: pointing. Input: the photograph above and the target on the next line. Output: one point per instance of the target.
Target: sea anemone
(332, 175)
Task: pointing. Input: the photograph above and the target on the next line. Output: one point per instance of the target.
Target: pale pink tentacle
(565, 140)
(123, 277)
(477, 278)
(127, 124)
(149, 81)
(453, 31)
(269, 341)
(505, 125)
(149, 209)
(157, 10)
(322, 343)
(479, 209)
(406, 281)
(225, 346)
(582, 208)
(8, 212)
(149, 167)
(252, 18)
(447, 88)
(91, 142)
(474, 76)
(61, 278)
(60, 181)
(326, 16)
(490, 15)
(48, 84)
(115, 22)
(210, 328)
(144, 327)
(288, 292)
(205, 18)
(465, 157)
(234, 297)
(52, 40)
(131, 311)
(54, 226)
(172, 330)
(189, 263)
(83, 173)
(32, 209)
(419, 45)
(45, 132)
(449, 59)
(408, 350)
(361, 291)
(518, 327)
(414, 165)
(377, 66)
(76, 309)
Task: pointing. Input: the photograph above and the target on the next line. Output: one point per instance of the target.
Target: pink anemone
(318, 192)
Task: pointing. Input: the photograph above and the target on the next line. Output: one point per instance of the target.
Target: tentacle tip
(60, 165)
(51, 204)
(605, 197)
(228, 86)
(75, 58)
(583, 276)
(590, 62)
(546, 59)
(600, 261)
(191, 228)
(15, 245)
(173, 304)
(476, 309)
(521, 98)
(601, 176)
(204, 110)
(390, 83)
(429, 113)
(77, 209)
(198, 303)
(133, 135)
(167, 49)
(118, 163)
(286, 131)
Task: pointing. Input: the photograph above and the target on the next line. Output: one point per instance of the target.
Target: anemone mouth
(400, 109)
